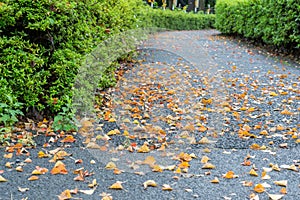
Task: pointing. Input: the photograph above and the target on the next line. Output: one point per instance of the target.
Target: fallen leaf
(59, 168)
(2, 179)
(106, 196)
(283, 191)
(116, 186)
(275, 196)
(23, 189)
(143, 149)
(110, 166)
(88, 192)
(281, 183)
(93, 184)
(65, 195)
(253, 172)
(41, 154)
(148, 183)
(8, 155)
(247, 183)
(215, 180)
(33, 178)
(208, 166)
(150, 160)
(157, 168)
(167, 187)
(204, 159)
(68, 139)
(230, 175)
(259, 188)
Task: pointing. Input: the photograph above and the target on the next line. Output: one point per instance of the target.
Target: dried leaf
(88, 192)
(215, 180)
(208, 166)
(65, 195)
(281, 183)
(33, 178)
(9, 155)
(2, 179)
(148, 183)
(230, 175)
(68, 139)
(205, 159)
(110, 166)
(143, 149)
(275, 196)
(93, 184)
(150, 160)
(117, 186)
(253, 172)
(167, 187)
(259, 188)
(59, 168)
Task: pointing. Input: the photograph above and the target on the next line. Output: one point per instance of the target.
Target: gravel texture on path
(192, 92)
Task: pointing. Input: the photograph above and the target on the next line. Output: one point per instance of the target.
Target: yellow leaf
(93, 184)
(33, 178)
(19, 169)
(41, 154)
(215, 180)
(112, 120)
(205, 159)
(150, 160)
(148, 183)
(2, 179)
(113, 132)
(157, 168)
(208, 166)
(9, 155)
(259, 188)
(273, 94)
(110, 165)
(230, 175)
(143, 149)
(116, 186)
(204, 140)
(253, 172)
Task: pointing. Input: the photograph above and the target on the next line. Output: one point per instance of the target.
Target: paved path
(198, 93)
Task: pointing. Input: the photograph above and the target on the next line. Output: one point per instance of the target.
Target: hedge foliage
(179, 20)
(42, 45)
(275, 22)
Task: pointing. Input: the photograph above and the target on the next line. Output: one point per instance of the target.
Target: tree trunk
(202, 5)
(191, 5)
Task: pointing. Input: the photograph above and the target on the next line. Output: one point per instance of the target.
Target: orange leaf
(215, 180)
(68, 139)
(59, 168)
(259, 188)
(230, 175)
(184, 164)
(283, 190)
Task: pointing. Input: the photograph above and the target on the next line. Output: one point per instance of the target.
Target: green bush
(42, 45)
(275, 22)
(179, 20)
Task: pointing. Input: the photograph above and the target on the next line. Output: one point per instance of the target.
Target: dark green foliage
(42, 45)
(179, 20)
(275, 22)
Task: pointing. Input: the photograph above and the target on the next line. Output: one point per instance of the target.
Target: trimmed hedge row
(179, 20)
(275, 22)
(42, 45)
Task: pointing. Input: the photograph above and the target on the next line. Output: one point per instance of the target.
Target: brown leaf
(59, 168)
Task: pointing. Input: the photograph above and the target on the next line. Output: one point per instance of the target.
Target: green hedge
(42, 45)
(275, 22)
(179, 20)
